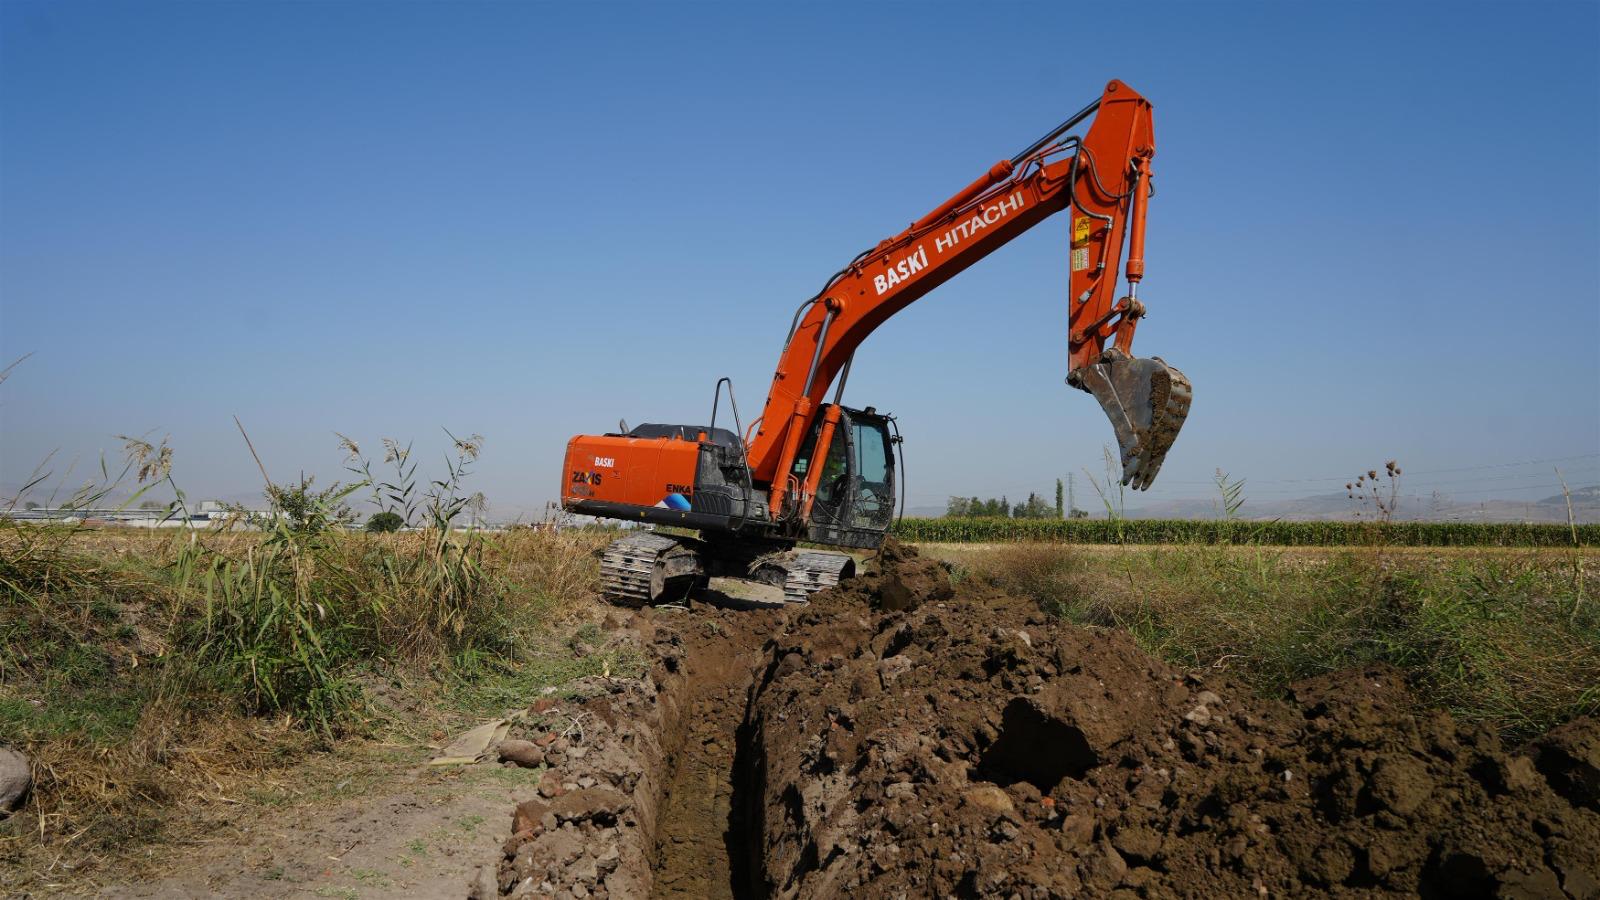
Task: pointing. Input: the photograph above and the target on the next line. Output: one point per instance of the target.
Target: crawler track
(629, 567)
(809, 571)
(636, 570)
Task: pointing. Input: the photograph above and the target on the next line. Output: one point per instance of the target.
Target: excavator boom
(810, 470)
(1104, 179)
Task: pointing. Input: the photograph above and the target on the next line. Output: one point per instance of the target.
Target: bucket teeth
(1147, 402)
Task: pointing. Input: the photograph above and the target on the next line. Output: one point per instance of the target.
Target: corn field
(1219, 531)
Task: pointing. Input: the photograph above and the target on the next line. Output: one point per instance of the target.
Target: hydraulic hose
(1055, 132)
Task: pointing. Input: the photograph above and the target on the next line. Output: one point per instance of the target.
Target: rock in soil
(15, 779)
(524, 753)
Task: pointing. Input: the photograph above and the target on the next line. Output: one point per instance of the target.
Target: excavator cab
(855, 499)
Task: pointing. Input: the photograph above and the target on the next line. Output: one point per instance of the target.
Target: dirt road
(397, 829)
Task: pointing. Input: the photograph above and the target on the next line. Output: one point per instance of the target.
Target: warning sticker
(1080, 229)
(1080, 259)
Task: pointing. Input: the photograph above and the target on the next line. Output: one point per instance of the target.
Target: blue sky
(1375, 233)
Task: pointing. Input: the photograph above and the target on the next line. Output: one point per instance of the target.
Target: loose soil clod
(899, 738)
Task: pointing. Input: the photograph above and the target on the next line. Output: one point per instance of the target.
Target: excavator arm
(823, 473)
(1103, 177)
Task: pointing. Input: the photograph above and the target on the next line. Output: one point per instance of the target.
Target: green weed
(138, 669)
(1493, 637)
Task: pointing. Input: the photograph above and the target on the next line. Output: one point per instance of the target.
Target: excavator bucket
(1146, 401)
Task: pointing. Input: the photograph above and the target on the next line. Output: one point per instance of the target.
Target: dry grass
(114, 679)
(1503, 637)
(558, 566)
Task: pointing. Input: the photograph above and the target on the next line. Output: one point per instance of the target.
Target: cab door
(854, 505)
(872, 470)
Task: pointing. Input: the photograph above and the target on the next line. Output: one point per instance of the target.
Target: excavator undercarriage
(649, 567)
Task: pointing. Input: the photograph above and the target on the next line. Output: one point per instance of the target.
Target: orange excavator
(823, 473)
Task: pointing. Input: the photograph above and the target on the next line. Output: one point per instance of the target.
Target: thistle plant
(1376, 500)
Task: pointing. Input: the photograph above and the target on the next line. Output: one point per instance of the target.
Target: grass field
(144, 672)
(151, 674)
(1510, 638)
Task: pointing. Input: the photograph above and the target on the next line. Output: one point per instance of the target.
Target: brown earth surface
(897, 738)
(395, 828)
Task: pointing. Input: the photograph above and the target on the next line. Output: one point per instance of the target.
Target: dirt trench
(897, 739)
(650, 805)
(702, 848)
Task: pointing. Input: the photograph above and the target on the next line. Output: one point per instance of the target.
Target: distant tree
(1060, 501)
(152, 504)
(384, 522)
(1035, 508)
(30, 505)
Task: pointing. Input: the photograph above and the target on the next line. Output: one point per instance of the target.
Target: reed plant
(143, 669)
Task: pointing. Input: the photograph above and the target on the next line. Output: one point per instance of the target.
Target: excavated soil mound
(898, 738)
(971, 746)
